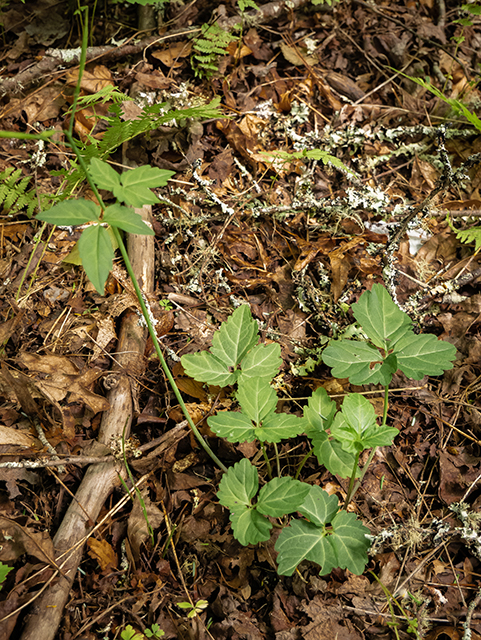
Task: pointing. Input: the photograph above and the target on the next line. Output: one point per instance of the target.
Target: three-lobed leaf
(97, 254)
(345, 545)
(71, 212)
(132, 187)
(398, 347)
(355, 426)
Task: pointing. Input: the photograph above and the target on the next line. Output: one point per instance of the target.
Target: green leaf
(205, 367)
(345, 546)
(136, 185)
(71, 212)
(355, 427)
(330, 454)
(319, 412)
(351, 542)
(104, 176)
(470, 235)
(249, 526)
(281, 496)
(235, 337)
(127, 219)
(280, 426)
(303, 540)
(257, 398)
(262, 361)
(424, 355)
(4, 571)
(97, 255)
(380, 318)
(358, 361)
(233, 426)
(358, 412)
(318, 506)
(238, 485)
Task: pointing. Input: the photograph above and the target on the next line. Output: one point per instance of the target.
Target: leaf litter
(301, 244)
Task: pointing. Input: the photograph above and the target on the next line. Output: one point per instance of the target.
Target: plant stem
(45, 136)
(137, 490)
(278, 462)
(266, 458)
(302, 463)
(82, 61)
(350, 491)
(373, 452)
(160, 355)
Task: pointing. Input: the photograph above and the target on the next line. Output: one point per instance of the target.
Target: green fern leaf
(471, 235)
(211, 44)
(14, 196)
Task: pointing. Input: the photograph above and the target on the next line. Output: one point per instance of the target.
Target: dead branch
(55, 58)
(100, 479)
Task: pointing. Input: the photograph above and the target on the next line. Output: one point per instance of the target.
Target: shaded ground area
(297, 239)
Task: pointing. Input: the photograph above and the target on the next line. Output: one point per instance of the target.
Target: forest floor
(299, 241)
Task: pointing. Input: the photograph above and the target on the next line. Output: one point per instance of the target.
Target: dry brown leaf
(9, 435)
(47, 364)
(137, 529)
(172, 56)
(61, 380)
(298, 56)
(103, 552)
(154, 80)
(17, 540)
(237, 51)
(106, 334)
(92, 81)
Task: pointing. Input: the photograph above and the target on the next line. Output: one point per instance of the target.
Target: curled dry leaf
(9, 435)
(137, 528)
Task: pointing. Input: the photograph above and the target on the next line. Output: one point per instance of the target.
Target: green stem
(373, 452)
(128, 265)
(82, 62)
(302, 463)
(45, 136)
(158, 350)
(266, 458)
(350, 491)
(278, 462)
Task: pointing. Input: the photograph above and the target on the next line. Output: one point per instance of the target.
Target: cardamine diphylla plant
(319, 529)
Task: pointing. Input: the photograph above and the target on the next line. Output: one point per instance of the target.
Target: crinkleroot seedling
(314, 526)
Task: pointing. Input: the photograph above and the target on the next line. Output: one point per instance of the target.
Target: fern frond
(14, 196)
(120, 131)
(470, 235)
(212, 43)
(244, 4)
